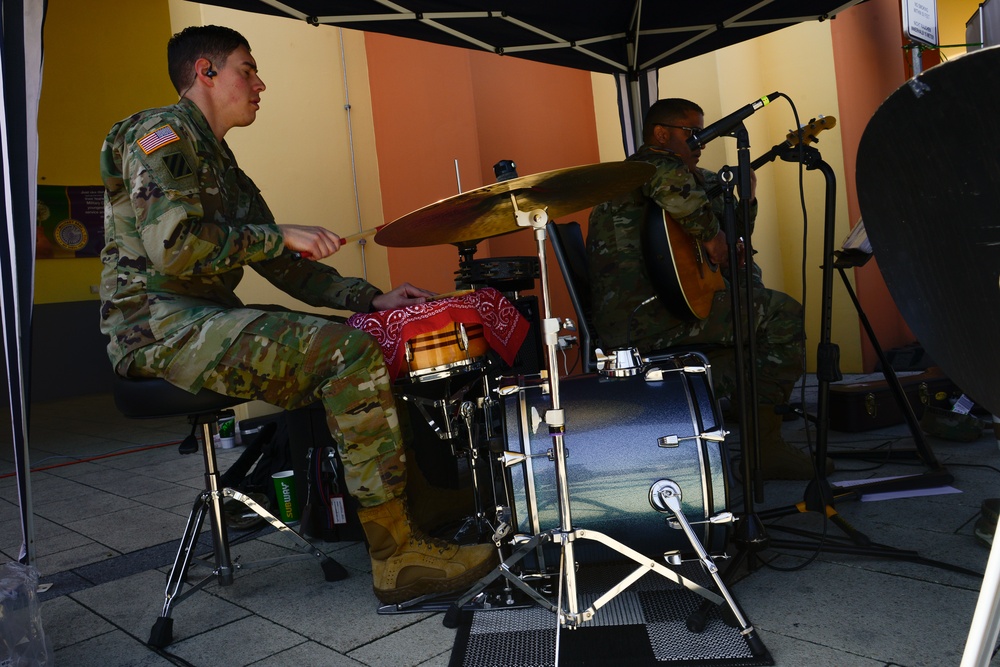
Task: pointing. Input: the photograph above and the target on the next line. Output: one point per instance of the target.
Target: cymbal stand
(665, 497)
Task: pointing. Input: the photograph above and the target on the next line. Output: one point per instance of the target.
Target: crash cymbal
(488, 211)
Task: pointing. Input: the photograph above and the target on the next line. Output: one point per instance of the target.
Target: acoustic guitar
(683, 276)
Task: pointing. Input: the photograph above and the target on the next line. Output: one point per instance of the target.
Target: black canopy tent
(628, 38)
(20, 69)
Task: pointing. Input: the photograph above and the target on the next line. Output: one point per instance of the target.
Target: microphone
(726, 125)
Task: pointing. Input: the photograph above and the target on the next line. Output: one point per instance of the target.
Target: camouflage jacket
(181, 220)
(619, 279)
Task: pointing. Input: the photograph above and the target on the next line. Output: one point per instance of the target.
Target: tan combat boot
(778, 459)
(406, 563)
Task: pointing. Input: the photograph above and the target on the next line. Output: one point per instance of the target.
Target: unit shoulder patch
(177, 165)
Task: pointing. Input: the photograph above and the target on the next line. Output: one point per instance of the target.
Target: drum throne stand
(664, 496)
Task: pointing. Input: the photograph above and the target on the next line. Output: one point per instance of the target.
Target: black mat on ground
(646, 625)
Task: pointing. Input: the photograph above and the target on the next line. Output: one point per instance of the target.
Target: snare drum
(616, 450)
(452, 348)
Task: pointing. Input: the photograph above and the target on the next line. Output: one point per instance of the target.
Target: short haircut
(211, 42)
(666, 112)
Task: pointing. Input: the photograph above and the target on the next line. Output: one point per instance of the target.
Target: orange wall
(424, 117)
(870, 64)
(433, 104)
(542, 118)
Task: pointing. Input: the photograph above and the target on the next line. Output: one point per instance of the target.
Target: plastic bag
(22, 639)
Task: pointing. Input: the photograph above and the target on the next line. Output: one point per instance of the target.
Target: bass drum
(617, 447)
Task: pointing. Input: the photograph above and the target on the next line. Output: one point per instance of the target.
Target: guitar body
(684, 278)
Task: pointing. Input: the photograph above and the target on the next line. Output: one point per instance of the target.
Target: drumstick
(446, 295)
(360, 235)
(344, 240)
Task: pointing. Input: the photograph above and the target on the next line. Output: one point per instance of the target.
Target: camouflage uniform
(620, 282)
(181, 222)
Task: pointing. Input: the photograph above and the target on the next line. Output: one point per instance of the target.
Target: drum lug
(673, 558)
(654, 375)
(718, 435)
(509, 459)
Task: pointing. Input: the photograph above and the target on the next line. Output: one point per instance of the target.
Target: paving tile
(67, 622)
(412, 645)
(130, 528)
(112, 649)
(242, 642)
(134, 603)
(309, 653)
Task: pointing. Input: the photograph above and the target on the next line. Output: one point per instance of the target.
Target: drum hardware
(673, 558)
(619, 363)
(715, 519)
(675, 441)
(509, 275)
(565, 536)
(665, 496)
(444, 426)
(504, 525)
(446, 412)
(478, 521)
(483, 213)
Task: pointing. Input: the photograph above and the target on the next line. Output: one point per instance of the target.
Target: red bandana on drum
(503, 326)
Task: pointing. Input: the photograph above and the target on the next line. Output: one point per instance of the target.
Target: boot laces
(421, 538)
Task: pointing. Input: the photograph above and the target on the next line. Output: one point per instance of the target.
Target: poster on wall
(70, 221)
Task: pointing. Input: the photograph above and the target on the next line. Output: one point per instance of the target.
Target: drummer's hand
(403, 295)
(311, 242)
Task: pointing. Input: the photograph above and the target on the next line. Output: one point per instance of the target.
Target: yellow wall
(952, 17)
(87, 85)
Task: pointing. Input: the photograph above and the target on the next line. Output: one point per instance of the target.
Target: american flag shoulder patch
(157, 139)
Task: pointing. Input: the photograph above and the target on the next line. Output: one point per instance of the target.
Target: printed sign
(70, 221)
(920, 22)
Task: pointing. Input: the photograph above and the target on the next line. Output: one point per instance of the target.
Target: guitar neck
(770, 155)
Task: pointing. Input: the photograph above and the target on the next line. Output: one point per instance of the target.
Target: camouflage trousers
(779, 338)
(291, 360)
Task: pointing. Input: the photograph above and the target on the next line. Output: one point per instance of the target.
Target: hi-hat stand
(665, 497)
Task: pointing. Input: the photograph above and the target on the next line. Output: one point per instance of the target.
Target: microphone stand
(750, 535)
(820, 495)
